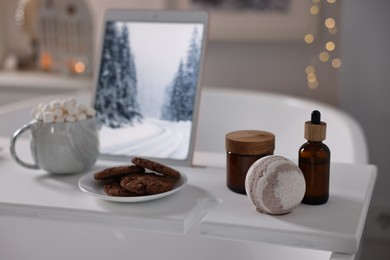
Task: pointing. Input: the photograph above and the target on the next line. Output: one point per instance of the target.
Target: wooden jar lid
(250, 142)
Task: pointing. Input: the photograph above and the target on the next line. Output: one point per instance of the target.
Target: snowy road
(151, 138)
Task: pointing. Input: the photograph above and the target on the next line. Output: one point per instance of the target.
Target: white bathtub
(221, 111)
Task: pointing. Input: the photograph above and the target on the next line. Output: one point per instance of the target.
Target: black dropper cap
(316, 117)
(315, 130)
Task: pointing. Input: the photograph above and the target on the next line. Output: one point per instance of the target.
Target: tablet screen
(147, 88)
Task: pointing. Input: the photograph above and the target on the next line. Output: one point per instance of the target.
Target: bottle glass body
(314, 161)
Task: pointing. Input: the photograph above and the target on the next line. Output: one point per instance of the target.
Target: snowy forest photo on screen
(147, 87)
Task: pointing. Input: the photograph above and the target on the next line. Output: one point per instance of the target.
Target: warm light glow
(330, 46)
(46, 61)
(311, 77)
(336, 63)
(79, 67)
(314, 9)
(310, 70)
(330, 23)
(313, 85)
(309, 38)
(324, 56)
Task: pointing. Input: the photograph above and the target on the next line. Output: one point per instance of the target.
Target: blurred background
(332, 51)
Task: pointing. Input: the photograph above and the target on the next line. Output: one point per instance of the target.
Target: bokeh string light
(326, 52)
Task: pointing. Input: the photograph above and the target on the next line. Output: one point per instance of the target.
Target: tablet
(147, 85)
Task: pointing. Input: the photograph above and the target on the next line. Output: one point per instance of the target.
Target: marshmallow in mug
(57, 111)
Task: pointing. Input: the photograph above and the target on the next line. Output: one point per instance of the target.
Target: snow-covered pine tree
(172, 107)
(104, 94)
(191, 79)
(181, 94)
(128, 106)
(116, 97)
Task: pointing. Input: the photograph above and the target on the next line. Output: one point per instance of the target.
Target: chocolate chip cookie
(115, 189)
(146, 184)
(156, 167)
(118, 171)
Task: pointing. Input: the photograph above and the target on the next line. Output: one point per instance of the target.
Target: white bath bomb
(275, 185)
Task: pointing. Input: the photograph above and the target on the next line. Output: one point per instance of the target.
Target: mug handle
(15, 136)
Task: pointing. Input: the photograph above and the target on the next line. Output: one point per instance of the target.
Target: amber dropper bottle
(314, 161)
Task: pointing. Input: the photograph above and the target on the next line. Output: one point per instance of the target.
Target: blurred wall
(270, 66)
(2, 33)
(11, 37)
(365, 93)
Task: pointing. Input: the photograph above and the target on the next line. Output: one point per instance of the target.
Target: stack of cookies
(144, 177)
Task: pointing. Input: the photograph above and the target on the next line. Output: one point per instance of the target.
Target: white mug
(60, 148)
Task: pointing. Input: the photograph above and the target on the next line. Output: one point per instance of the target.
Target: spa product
(314, 161)
(243, 148)
(275, 185)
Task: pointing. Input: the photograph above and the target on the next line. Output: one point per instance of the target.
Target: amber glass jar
(243, 148)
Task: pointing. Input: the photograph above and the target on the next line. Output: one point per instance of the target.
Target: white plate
(88, 184)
